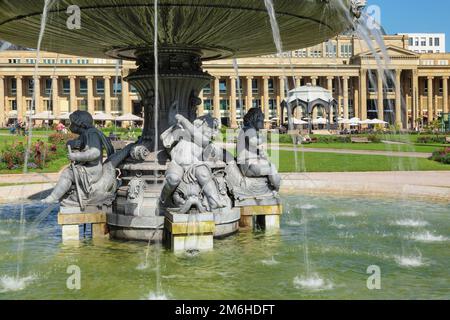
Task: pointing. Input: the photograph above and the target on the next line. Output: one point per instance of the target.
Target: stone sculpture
(253, 179)
(89, 181)
(190, 180)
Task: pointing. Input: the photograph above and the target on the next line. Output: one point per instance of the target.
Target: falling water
(21, 241)
(238, 85)
(116, 84)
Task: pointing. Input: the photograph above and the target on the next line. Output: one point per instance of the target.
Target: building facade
(426, 42)
(412, 91)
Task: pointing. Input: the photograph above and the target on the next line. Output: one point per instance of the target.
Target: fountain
(162, 182)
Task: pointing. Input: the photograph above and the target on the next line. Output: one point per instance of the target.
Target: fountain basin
(407, 239)
(219, 28)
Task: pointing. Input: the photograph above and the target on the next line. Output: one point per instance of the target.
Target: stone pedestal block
(70, 220)
(263, 217)
(184, 232)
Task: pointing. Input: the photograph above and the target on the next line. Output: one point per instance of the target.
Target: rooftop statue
(89, 181)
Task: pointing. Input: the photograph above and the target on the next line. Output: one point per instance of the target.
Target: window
(223, 86)
(208, 104)
(255, 89)
(30, 61)
(83, 86)
(66, 86)
(100, 86)
(331, 50)
(14, 61)
(207, 89)
(430, 41)
(417, 42)
(49, 61)
(437, 42)
(117, 86)
(441, 86)
(13, 105)
(271, 86)
(411, 41)
(65, 61)
(133, 89)
(82, 61)
(346, 51)
(48, 86)
(300, 53)
(13, 86)
(30, 83)
(257, 103)
(223, 105)
(423, 42)
(425, 88)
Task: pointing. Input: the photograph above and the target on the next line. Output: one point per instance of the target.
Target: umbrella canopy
(368, 121)
(46, 115)
(320, 121)
(103, 117)
(129, 117)
(309, 93)
(299, 122)
(378, 121)
(64, 116)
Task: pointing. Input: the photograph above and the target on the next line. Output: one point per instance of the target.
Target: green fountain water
(345, 237)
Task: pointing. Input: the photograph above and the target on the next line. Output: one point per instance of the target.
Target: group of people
(18, 127)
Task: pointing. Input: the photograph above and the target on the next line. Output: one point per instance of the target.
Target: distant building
(417, 92)
(426, 42)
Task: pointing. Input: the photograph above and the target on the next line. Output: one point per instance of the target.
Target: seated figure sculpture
(251, 158)
(89, 180)
(253, 179)
(190, 182)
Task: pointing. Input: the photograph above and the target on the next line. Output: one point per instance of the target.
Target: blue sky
(403, 16)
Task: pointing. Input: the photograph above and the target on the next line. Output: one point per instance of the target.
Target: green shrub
(61, 138)
(431, 139)
(441, 156)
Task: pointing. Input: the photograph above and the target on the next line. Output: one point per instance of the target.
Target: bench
(360, 140)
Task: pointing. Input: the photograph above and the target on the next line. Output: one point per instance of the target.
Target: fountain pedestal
(71, 218)
(185, 232)
(264, 217)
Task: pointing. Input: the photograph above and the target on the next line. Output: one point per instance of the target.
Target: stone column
(398, 99)
(282, 97)
(356, 98)
(380, 96)
(430, 99)
(107, 80)
(345, 80)
(216, 108)
(37, 94)
(298, 81)
(55, 96)
(2, 102)
(445, 92)
(363, 93)
(314, 80)
(126, 101)
(330, 84)
(233, 115)
(249, 97)
(415, 96)
(90, 85)
(73, 94)
(265, 105)
(201, 107)
(19, 98)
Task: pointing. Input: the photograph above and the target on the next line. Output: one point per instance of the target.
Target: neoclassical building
(404, 88)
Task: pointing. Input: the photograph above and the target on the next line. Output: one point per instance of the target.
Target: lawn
(377, 147)
(331, 162)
